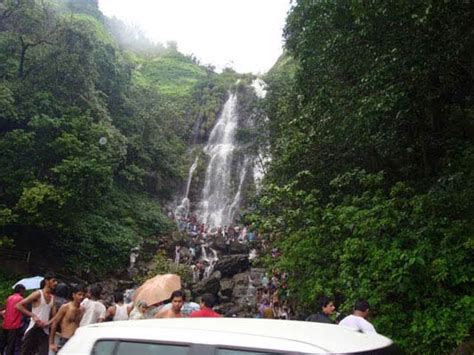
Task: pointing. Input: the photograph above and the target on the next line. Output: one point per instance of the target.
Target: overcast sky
(245, 34)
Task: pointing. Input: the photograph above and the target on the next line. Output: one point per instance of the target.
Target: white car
(222, 336)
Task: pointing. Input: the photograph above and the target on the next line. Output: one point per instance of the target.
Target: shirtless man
(42, 301)
(68, 317)
(177, 301)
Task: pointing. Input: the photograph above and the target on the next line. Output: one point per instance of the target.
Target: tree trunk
(21, 68)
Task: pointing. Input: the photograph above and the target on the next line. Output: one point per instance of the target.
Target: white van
(222, 336)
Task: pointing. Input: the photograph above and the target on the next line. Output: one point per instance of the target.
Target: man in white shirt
(357, 321)
(94, 310)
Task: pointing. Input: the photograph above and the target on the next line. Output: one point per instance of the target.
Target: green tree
(369, 190)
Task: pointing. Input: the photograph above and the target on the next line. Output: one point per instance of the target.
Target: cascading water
(216, 202)
(190, 175)
(236, 201)
(183, 209)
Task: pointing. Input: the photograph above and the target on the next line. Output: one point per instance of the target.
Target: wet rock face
(238, 248)
(209, 285)
(220, 245)
(232, 264)
(239, 291)
(231, 248)
(227, 285)
(241, 279)
(232, 309)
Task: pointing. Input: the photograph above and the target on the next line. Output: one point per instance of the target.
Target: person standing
(265, 310)
(357, 320)
(94, 310)
(177, 301)
(42, 301)
(12, 320)
(68, 317)
(206, 304)
(139, 310)
(120, 310)
(326, 308)
(61, 295)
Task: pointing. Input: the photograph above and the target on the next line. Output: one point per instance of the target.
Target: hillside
(93, 135)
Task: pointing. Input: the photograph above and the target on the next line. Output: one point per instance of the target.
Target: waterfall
(214, 209)
(183, 209)
(190, 176)
(260, 88)
(204, 253)
(212, 262)
(235, 203)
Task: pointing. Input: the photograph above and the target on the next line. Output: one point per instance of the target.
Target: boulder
(256, 275)
(232, 264)
(210, 285)
(241, 279)
(238, 248)
(219, 245)
(240, 291)
(227, 285)
(223, 298)
(231, 309)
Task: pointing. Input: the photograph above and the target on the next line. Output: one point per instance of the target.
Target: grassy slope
(170, 73)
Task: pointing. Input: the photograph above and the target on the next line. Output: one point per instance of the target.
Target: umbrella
(30, 283)
(157, 289)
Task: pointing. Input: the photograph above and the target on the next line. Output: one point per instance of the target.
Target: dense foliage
(93, 135)
(370, 189)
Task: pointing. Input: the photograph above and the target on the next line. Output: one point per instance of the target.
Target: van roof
(281, 335)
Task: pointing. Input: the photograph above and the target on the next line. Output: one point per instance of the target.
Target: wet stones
(227, 285)
(209, 285)
(232, 264)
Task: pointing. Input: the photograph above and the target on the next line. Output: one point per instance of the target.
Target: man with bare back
(177, 301)
(68, 318)
(42, 301)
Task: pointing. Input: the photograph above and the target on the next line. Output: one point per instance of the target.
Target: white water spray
(216, 199)
(183, 209)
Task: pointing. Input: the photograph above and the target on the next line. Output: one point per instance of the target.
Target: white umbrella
(30, 283)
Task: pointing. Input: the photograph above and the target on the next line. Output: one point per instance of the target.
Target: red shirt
(205, 312)
(12, 316)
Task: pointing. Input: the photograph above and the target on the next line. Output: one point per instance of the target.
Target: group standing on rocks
(46, 319)
(271, 297)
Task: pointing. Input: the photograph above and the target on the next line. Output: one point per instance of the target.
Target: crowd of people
(45, 320)
(272, 295)
(201, 233)
(199, 256)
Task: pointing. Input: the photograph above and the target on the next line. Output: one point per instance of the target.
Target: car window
(112, 347)
(241, 352)
(104, 347)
